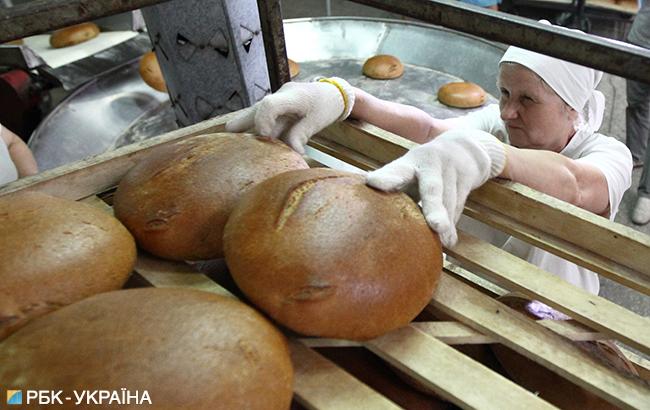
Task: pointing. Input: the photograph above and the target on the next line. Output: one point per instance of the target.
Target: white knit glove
(446, 169)
(297, 111)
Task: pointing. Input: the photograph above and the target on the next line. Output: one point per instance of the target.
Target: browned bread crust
(326, 255)
(54, 252)
(73, 35)
(189, 349)
(462, 95)
(383, 67)
(151, 73)
(177, 200)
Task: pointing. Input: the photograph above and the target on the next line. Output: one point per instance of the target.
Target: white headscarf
(574, 83)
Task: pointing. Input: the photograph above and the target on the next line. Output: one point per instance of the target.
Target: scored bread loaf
(187, 349)
(326, 255)
(74, 35)
(55, 252)
(383, 67)
(177, 200)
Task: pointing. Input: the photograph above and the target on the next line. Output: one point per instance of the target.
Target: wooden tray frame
(467, 297)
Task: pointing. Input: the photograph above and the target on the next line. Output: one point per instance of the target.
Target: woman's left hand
(446, 169)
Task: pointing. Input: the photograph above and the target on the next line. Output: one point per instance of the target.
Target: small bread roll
(18, 42)
(383, 67)
(151, 73)
(188, 349)
(462, 95)
(294, 68)
(54, 252)
(177, 200)
(323, 254)
(73, 35)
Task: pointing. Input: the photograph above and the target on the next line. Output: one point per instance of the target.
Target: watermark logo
(85, 398)
(14, 397)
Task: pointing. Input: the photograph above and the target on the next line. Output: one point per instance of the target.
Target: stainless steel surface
(119, 108)
(79, 72)
(418, 86)
(423, 45)
(40, 16)
(597, 52)
(93, 118)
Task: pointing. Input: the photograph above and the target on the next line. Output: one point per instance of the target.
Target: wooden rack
(467, 297)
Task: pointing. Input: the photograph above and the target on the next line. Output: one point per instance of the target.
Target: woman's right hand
(297, 111)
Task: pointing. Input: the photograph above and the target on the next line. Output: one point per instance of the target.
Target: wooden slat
(98, 173)
(560, 247)
(450, 373)
(524, 336)
(545, 214)
(366, 139)
(475, 280)
(321, 384)
(429, 351)
(519, 275)
(456, 333)
(168, 274)
(572, 330)
(619, 243)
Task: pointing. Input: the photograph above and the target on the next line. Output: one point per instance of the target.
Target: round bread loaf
(151, 73)
(187, 349)
(326, 255)
(462, 95)
(177, 200)
(55, 252)
(294, 68)
(73, 35)
(383, 67)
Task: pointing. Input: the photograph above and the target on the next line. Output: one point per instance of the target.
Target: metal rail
(36, 17)
(276, 50)
(603, 54)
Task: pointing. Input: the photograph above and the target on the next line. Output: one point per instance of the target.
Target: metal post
(276, 51)
(597, 52)
(211, 53)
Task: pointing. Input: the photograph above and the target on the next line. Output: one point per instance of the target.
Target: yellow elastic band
(337, 85)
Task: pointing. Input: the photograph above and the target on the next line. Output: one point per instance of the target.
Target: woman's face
(535, 116)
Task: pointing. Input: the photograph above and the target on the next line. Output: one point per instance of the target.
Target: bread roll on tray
(74, 35)
(383, 67)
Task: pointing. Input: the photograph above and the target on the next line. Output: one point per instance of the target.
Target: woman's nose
(508, 110)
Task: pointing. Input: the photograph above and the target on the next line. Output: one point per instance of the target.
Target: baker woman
(543, 133)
